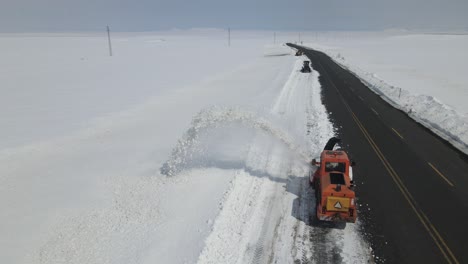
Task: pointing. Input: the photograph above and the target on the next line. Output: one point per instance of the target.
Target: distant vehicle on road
(306, 67)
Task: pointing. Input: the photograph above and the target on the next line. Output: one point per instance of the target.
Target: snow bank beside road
(423, 75)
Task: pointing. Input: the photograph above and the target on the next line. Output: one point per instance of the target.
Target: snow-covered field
(88, 142)
(430, 69)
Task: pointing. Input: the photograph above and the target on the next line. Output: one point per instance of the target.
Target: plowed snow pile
(178, 149)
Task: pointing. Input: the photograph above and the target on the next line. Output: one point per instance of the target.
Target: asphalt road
(411, 184)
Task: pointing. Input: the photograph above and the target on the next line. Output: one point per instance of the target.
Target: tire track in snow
(269, 167)
(240, 215)
(271, 206)
(297, 102)
(285, 105)
(291, 101)
(301, 251)
(272, 216)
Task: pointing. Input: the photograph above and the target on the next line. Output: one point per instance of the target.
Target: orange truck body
(335, 197)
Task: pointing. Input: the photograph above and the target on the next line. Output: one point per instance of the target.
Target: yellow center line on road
(435, 235)
(440, 174)
(406, 194)
(396, 132)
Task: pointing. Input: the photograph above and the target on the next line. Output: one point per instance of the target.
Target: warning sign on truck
(340, 204)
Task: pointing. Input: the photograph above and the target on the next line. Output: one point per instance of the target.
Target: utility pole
(109, 39)
(229, 37)
(274, 37)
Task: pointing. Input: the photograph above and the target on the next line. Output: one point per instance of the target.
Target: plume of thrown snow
(189, 145)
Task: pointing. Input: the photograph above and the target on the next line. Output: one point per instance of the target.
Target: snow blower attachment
(306, 67)
(333, 184)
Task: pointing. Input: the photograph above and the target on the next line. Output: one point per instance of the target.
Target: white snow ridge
(214, 117)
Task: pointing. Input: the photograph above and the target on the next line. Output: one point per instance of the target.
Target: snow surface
(177, 149)
(429, 69)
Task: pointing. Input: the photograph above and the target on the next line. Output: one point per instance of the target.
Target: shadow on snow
(304, 204)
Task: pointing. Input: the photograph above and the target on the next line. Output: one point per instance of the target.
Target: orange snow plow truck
(333, 184)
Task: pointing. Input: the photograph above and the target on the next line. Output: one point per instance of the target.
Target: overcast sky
(146, 15)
